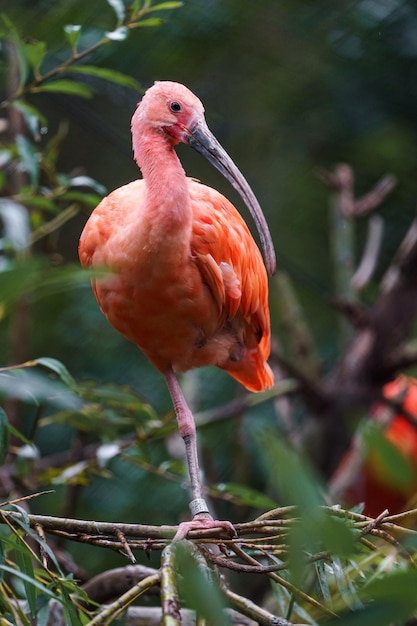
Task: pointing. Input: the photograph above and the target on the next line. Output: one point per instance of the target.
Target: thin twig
(56, 222)
(25, 498)
(121, 604)
(44, 555)
(255, 612)
(368, 262)
(376, 196)
(122, 538)
(171, 615)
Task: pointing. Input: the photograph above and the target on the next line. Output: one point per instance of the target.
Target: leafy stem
(126, 21)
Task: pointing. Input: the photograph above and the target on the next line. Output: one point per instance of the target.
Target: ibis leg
(186, 426)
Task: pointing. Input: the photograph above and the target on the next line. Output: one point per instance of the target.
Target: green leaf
(72, 33)
(32, 387)
(33, 276)
(33, 117)
(322, 580)
(24, 577)
(335, 535)
(150, 22)
(390, 599)
(119, 8)
(11, 34)
(108, 74)
(347, 588)
(134, 7)
(35, 51)
(28, 158)
(395, 587)
(2, 558)
(71, 87)
(92, 419)
(4, 436)
(108, 411)
(294, 483)
(24, 563)
(39, 202)
(87, 181)
(59, 368)
(70, 610)
(90, 199)
(198, 586)
(121, 398)
(165, 6)
(23, 521)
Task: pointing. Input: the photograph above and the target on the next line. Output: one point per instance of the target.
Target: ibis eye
(175, 107)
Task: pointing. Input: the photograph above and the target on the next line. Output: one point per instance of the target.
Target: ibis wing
(228, 259)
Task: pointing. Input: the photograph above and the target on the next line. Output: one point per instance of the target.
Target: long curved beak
(201, 139)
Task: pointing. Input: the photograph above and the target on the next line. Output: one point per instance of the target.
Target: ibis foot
(203, 521)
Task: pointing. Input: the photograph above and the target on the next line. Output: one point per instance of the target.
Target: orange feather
(210, 310)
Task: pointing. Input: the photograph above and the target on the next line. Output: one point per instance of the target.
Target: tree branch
(369, 360)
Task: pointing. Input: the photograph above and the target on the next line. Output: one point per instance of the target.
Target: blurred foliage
(288, 87)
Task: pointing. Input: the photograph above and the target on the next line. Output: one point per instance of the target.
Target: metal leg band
(198, 506)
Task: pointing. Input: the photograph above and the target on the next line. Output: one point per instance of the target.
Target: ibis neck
(167, 194)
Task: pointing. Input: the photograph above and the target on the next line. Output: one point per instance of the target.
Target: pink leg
(186, 426)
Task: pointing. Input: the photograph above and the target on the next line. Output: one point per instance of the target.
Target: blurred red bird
(380, 490)
(188, 284)
(369, 477)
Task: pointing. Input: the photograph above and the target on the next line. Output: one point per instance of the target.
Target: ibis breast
(187, 302)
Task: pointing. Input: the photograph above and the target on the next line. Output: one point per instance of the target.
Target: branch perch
(264, 537)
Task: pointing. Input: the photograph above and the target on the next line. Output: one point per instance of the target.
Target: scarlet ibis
(371, 482)
(188, 284)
